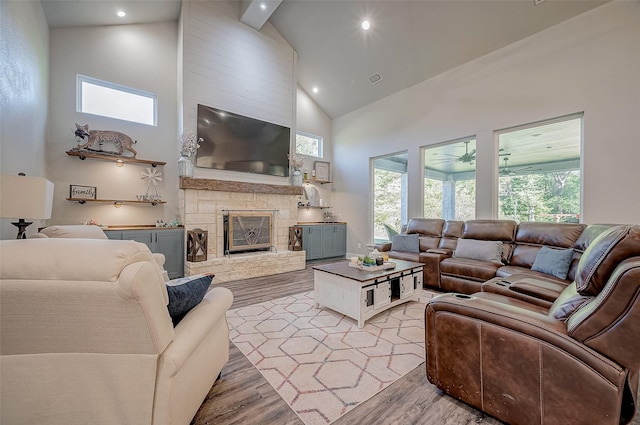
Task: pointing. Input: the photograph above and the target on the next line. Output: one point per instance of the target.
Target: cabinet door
(312, 242)
(171, 244)
(340, 240)
(142, 236)
(328, 249)
(114, 234)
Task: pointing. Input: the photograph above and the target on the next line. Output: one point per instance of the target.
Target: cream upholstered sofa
(86, 337)
(88, 231)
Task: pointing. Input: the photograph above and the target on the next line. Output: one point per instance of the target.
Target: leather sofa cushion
(563, 235)
(591, 232)
(407, 256)
(425, 226)
(568, 303)
(507, 271)
(477, 270)
(609, 249)
(489, 230)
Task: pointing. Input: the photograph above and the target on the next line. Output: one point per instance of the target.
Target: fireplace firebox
(248, 231)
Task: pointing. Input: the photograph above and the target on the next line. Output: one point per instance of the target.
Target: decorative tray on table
(385, 266)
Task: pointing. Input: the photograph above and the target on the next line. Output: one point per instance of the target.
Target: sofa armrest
(441, 251)
(193, 328)
(522, 319)
(383, 247)
(160, 259)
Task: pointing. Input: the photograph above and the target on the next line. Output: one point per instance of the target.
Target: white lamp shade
(25, 197)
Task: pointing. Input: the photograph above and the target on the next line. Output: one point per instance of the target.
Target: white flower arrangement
(296, 161)
(188, 143)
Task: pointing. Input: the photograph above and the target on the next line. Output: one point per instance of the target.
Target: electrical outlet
(359, 245)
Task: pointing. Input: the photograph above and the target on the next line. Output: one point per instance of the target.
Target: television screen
(237, 143)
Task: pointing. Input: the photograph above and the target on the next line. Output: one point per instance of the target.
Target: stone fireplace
(254, 208)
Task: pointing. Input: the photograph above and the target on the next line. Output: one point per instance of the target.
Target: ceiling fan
(466, 158)
(507, 171)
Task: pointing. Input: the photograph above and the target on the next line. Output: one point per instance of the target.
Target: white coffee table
(361, 294)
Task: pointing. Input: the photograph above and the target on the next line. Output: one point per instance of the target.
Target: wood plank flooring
(243, 396)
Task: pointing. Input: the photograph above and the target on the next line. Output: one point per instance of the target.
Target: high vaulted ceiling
(408, 41)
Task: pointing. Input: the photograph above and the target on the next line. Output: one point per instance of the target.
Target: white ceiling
(408, 42)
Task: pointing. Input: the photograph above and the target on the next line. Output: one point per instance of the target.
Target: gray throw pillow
(551, 261)
(407, 243)
(185, 293)
(479, 250)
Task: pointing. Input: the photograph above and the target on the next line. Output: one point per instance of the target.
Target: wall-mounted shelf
(114, 201)
(83, 154)
(313, 208)
(316, 181)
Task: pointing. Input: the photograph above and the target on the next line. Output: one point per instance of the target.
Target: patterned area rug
(319, 361)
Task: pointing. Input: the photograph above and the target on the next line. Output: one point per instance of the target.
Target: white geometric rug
(319, 361)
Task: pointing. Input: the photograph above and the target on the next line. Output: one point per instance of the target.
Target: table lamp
(25, 197)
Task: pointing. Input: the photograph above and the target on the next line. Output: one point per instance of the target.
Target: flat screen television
(237, 143)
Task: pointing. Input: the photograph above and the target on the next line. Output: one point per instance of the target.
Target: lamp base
(22, 227)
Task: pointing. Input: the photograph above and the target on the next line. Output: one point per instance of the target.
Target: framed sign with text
(82, 192)
(322, 171)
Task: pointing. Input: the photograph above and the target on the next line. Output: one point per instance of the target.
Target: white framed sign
(82, 192)
(322, 170)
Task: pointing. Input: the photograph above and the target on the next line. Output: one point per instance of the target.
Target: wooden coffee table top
(343, 269)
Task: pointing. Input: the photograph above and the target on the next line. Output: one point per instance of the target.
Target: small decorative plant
(296, 161)
(189, 143)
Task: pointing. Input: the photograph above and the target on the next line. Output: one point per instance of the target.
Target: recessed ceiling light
(121, 14)
(365, 25)
(263, 6)
(315, 89)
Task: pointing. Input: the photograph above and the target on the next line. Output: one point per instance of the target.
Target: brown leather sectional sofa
(529, 348)
(438, 240)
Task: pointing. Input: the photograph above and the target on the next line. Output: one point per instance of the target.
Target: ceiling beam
(256, 12)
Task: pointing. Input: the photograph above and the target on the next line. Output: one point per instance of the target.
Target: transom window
(113, 100)
(539, 171)
(308, 144)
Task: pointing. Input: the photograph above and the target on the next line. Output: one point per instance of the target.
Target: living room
(587, 64)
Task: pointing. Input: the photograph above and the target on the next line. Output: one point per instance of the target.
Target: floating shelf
(316, 181)
(84, 155)
(113, 201)
(310, 207)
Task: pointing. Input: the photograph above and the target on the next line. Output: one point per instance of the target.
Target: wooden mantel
(241, 187)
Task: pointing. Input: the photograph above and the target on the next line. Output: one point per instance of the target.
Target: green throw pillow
(551, 261)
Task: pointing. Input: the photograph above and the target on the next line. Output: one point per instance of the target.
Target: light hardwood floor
(243, 396)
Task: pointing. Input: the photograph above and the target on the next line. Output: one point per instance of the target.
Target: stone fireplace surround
(201, 204)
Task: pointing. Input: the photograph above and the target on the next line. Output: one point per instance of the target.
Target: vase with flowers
(189, 144)
(296, 163)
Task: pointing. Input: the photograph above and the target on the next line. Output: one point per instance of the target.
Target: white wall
(139, 56)
(231, 66)
(24, 55)
(590, 63)
(312, 119)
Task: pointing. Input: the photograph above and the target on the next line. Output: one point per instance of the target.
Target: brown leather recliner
(575, 362)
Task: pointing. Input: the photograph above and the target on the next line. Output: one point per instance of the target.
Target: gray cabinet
(324, 240)
(169, 242)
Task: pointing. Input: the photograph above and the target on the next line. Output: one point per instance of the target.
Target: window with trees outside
(539, 171)
(308, 144)
(450, 179)
(113, 100)
(389, 195)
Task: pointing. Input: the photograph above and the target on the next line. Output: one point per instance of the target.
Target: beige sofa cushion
(74, 231)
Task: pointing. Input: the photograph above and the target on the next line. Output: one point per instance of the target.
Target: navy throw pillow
(186, 293)
(555, 262)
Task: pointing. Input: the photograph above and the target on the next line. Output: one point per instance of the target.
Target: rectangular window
(112, 100)
(389, 195)
(450, 180)
(308, 144)
(539, 171)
